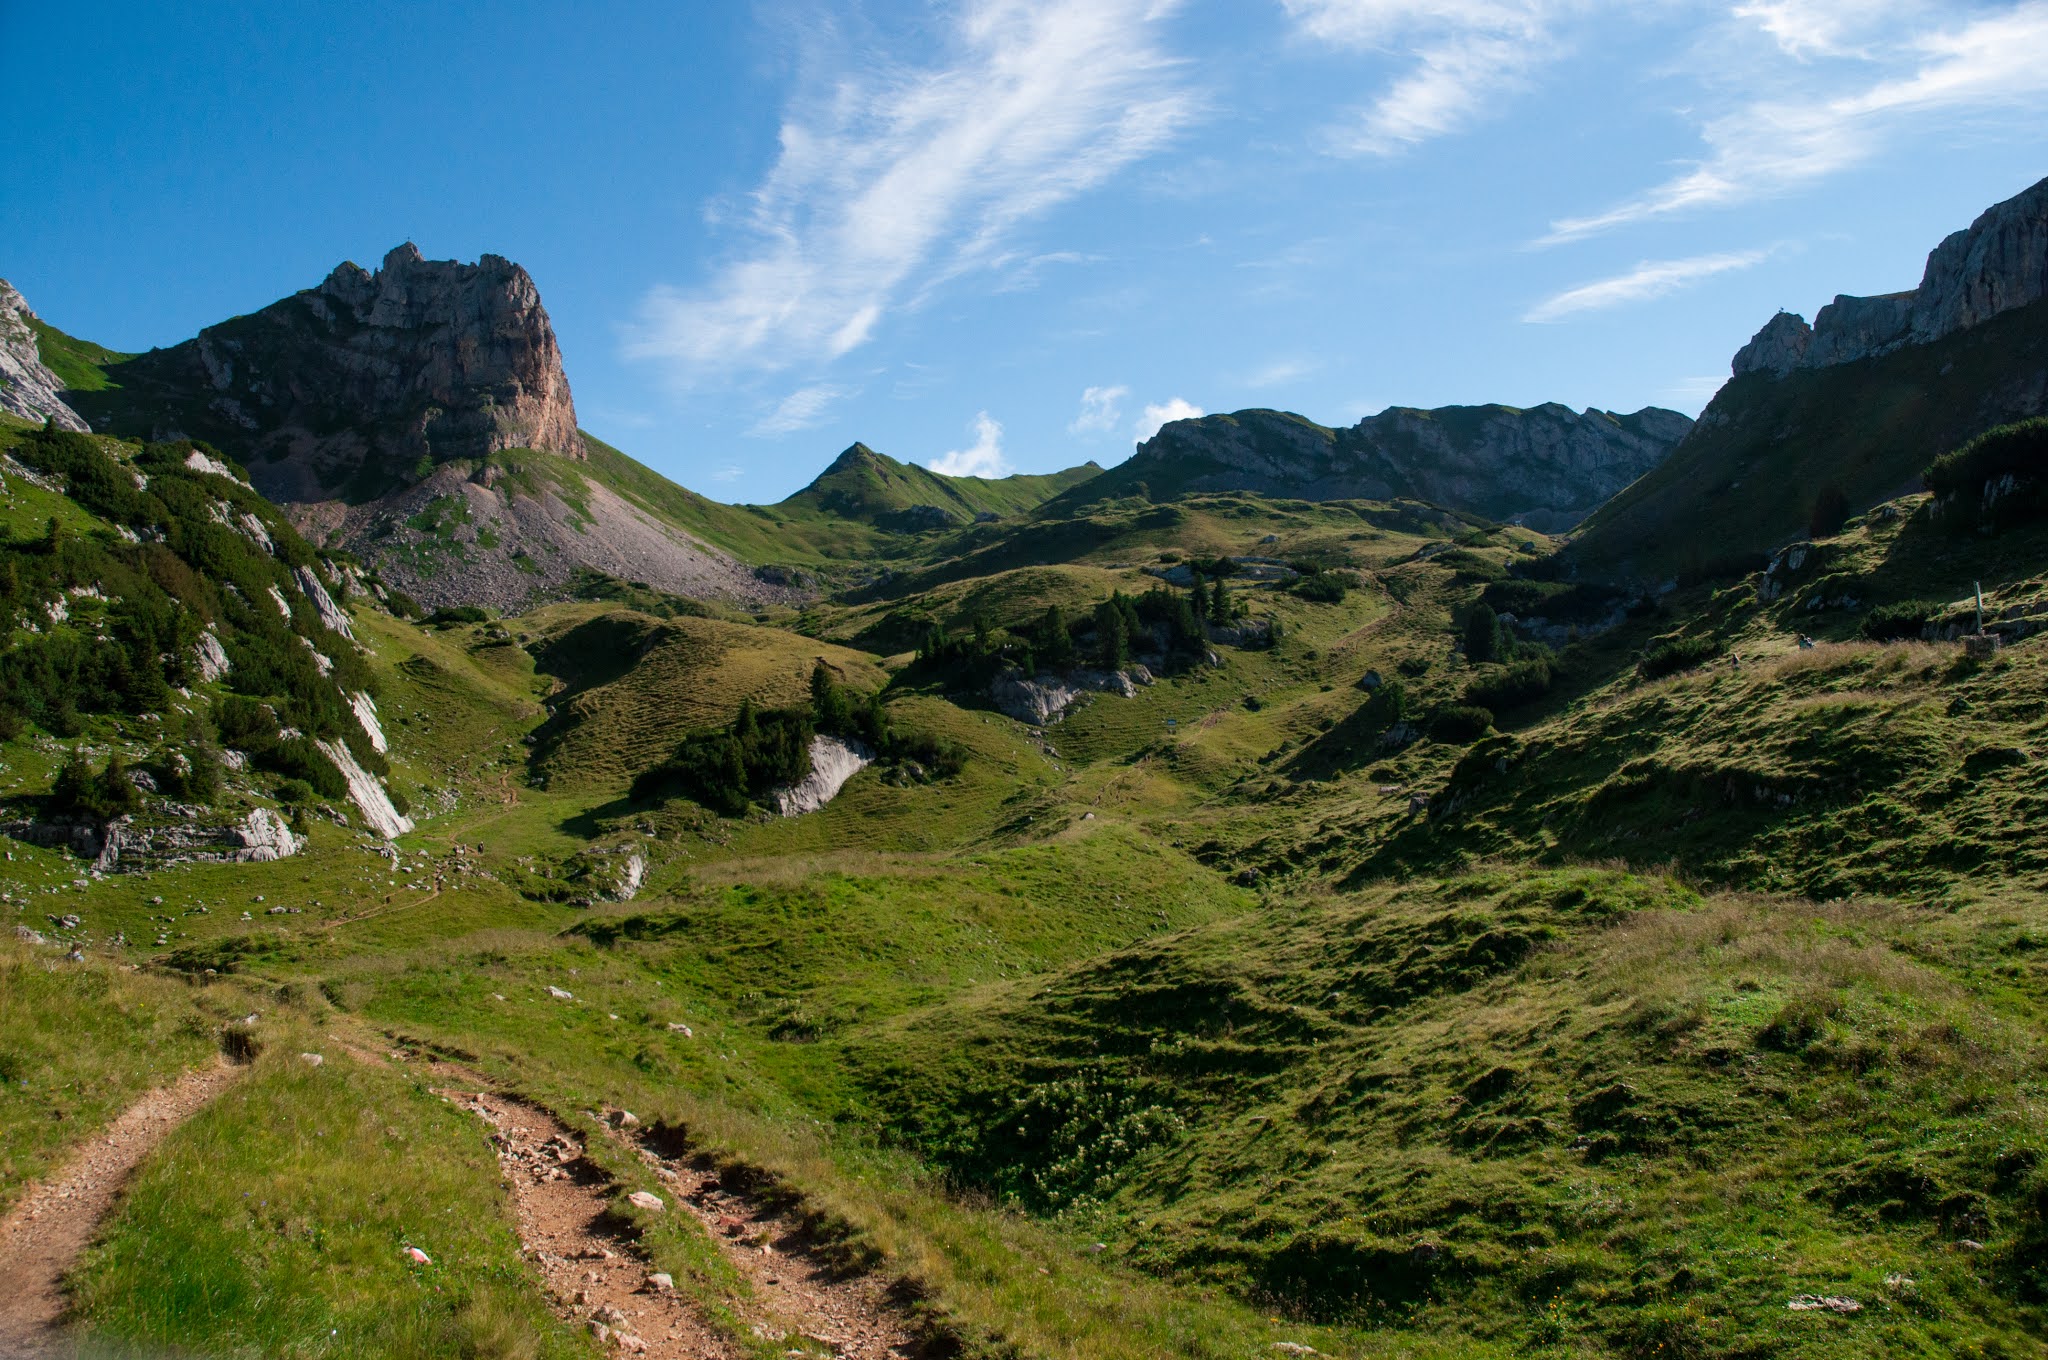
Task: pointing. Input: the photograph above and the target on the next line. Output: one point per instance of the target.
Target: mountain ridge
(1546, 466)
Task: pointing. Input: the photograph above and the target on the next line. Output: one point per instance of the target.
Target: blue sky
(1007, 235)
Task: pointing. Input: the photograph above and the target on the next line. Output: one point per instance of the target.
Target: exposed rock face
(366, 793)
(350, 386)
(833, 762)
(383, 411)
(1999, 263)
(1778, 348)
(1548, 466)
(27, 388)
(331, 617)
(1043, 699)
(124, 846)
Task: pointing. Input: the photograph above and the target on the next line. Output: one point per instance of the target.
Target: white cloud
(1278, 373)
(802, 409)
(1467, 53)
(1805, 29)
(897, 179)
(1650, 279)
(1101, 408)
(729, 473)
(984, 459)
(1155, 416)
(1992, 63)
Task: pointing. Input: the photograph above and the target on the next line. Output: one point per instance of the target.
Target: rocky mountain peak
(369, 380)
(28, 388)
(1998, 263)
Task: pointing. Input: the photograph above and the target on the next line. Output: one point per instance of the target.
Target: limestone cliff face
(27, 388)
(1999, 263)
(1547, 466)
(368, 381)
(390, 414)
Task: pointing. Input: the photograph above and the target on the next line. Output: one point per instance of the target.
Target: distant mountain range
(1548, 466)
(420, 417)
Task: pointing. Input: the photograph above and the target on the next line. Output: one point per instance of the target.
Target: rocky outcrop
(128, 846)
(366, 793)
(28, 388)
(420, 417)
(1042, 699)
(1778, 348)
(1997, 264)
(1547, 466)
(331, 617)
(365, 709)
(354, 386)
(834, 760)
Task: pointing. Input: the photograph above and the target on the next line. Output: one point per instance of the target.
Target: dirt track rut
(44, 1235)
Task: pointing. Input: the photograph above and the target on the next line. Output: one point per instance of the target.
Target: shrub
(1830, 512)
(1902, 619)
(1482, 634)
(2018, 451)
(402, 605)
(79, 792)
(1672, 655)
(1322, 587)
(449, 615)
(1457, 724)
(1511, 686)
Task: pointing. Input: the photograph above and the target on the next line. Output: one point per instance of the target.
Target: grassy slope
(870, 984)
(287, 1205)
(1744, 481)
(873, 487)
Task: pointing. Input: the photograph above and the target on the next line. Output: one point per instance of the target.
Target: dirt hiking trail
(42, 1238)
(597, 1276)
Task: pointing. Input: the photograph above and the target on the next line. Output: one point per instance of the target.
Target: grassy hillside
(876, 489)
(1747, 479)
(1276, 1005)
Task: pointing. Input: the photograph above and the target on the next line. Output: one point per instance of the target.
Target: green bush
(2018, 451)
(1900, 620)
(1511, 686)
(449, 615)
(1457, 724)
(1322, 587)
(1672, 655)
(78, 792)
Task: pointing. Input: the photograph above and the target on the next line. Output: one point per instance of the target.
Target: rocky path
(44, 1235)
(597, 1277)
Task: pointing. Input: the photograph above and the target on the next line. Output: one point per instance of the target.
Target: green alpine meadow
(1481, 881)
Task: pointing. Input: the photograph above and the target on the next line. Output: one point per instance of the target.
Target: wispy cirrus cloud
(1650, 279)
(1991, 63)
(803, 409)
(1101, 408)
(983, 458)
(1467, 54)
(897, 179)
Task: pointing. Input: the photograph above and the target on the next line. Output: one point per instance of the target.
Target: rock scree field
(1362, 893)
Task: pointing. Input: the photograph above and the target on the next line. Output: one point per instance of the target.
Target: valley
(1483, 882)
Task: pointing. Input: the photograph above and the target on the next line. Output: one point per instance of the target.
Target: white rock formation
(366, 714)
(833, 762)
(27, 388)
(200, 462)
(330, 613)
(366, 793)
(1042, 699)
(213, 658)
(277, 598)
